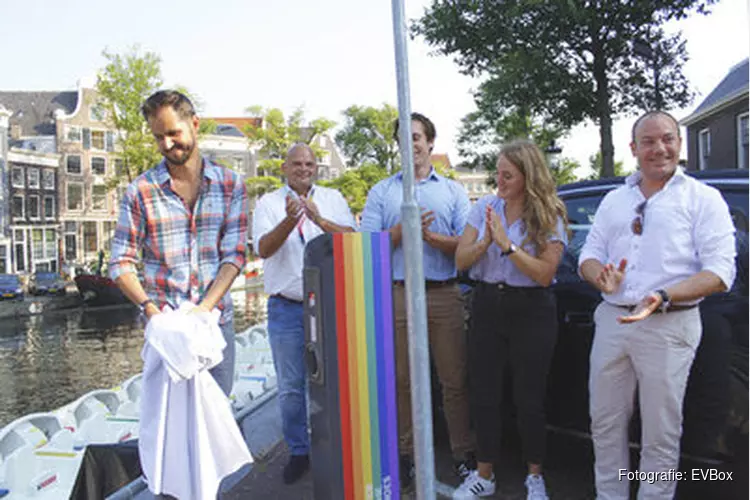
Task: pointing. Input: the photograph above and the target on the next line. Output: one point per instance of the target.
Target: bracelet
(142, 305)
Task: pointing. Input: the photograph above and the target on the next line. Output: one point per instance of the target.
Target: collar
(635, 178)
(211, 172)
(288, 190)
(432, 176)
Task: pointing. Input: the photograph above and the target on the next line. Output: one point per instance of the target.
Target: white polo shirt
(686, 229)
(282, 271)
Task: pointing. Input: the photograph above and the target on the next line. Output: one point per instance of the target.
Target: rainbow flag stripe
(366, 365)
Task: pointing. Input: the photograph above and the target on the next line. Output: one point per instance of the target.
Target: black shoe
(463, 468)
(406, 472)
(296, 468)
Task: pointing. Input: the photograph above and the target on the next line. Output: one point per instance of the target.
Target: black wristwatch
(666, 301)
(511, 249)
(142, 305)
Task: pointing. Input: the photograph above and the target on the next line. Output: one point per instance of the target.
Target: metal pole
(416, 308)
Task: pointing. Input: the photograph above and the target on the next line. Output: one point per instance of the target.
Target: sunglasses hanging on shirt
(637, 225)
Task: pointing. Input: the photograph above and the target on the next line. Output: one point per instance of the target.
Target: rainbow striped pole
(366, 365)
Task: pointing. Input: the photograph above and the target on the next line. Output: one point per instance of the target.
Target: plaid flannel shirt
(181, 251)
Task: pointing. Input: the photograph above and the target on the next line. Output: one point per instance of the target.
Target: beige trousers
(653, 356)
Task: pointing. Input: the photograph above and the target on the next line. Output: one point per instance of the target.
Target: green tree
(483, 132)
(122, 86)
(595, 164)
(355, 183)
(278, 133)
(566, 61)
(207, 127)
(565, 171)
(444, 168)
(260, 185)
(367, 136)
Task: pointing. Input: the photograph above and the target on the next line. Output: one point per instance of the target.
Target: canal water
(49, 360)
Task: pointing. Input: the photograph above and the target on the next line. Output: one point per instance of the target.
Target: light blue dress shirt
(493, 267)
(446, 198)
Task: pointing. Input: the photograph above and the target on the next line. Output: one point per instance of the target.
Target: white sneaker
(535, 487)
(475, 486)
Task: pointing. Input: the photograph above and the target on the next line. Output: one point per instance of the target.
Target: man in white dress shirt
(658, 245)
(283, 222)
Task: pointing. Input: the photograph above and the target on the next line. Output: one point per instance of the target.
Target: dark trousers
(513, 326)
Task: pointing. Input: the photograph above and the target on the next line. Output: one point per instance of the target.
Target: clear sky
(324, 55)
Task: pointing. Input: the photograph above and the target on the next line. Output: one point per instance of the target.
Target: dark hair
(649, 114)
(175, 100)
(429, 127)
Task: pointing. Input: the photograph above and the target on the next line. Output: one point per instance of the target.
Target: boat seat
(259, 329)
(91, 411)
(133, 388)
(36, 455)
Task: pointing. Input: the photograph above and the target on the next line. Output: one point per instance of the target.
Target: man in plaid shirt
(186, 219)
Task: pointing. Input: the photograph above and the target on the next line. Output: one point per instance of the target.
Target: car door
(567, 394)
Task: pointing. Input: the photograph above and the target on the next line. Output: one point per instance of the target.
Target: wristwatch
(511, 249)
(666, 301)
(142, 305)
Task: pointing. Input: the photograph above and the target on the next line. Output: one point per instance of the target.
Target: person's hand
(499, 236)
(200, 308)
(428, 217)
(487, 237)
(609, 278)
(643, 310)
(294, 208)
(311, 210)
(150, 311)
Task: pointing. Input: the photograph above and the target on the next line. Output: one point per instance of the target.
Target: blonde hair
(542, 206)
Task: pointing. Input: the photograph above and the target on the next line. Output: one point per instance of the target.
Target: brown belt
(672, 308)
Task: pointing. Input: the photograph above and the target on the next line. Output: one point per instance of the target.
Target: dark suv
(716, 403)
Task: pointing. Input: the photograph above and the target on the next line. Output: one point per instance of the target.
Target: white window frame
(83, 197)
(740, 151)
(23, 207)
(91, 165)
(71, 128)
(15, 184)
(33, 185)
(704, 155)
(52, 239)
(45, 173)
(93, 206)
(44, 207)
(80, 164)
(104, 139)
(38, 207)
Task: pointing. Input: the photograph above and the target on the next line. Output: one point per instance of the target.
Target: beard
(179, 155)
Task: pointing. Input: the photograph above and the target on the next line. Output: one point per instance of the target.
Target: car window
(737, 199)
(9, 279)
(581, 209)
